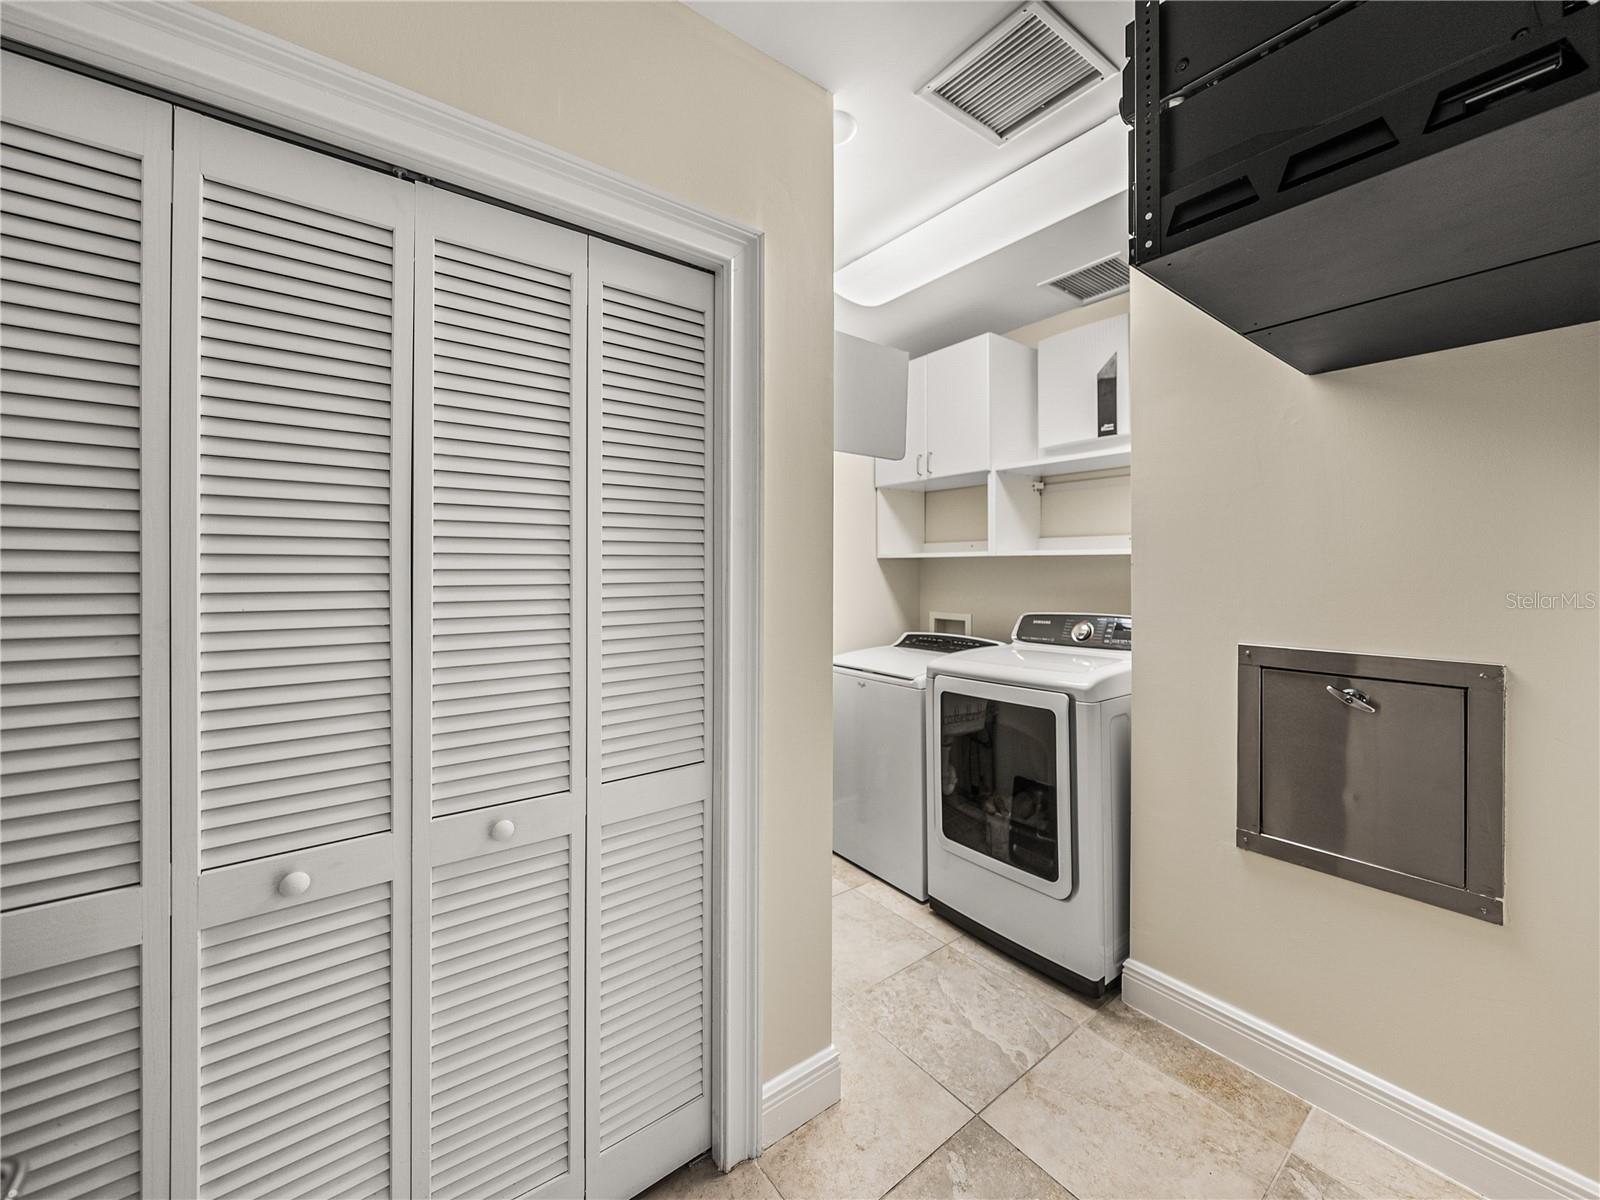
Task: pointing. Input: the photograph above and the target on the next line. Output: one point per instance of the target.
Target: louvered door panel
(77, 1070)
(653, 926)
(296, 572)
(292, 441)
(299, 1020)
(649, 541)
(85, 176)
(499, 702)
(504, 1043)
(653, 400)
(497, 358)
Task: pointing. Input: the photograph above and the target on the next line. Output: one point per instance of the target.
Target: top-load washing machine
(878, 754)
(1027, 793)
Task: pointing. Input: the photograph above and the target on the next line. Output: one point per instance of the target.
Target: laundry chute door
(292, 326)
(650, 326)
(498, 1050)
(85, 173)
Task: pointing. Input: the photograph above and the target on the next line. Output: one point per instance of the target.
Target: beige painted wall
(660, 94)
(996, 590)
(874, 601)
(1387, 509)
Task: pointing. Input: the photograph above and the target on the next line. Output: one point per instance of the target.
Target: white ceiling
(909, 161)
(995, 294)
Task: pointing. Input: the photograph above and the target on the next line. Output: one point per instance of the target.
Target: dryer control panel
(1099, 631)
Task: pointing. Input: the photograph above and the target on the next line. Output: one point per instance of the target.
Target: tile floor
(966, 1075)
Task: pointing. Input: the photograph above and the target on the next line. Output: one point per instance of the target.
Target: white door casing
(83, 659)
(500, 702)
(292, 326)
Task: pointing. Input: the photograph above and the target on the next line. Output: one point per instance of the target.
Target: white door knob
(295, 883)
(502, 830)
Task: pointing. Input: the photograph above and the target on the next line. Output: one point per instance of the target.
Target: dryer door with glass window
(1000, 780)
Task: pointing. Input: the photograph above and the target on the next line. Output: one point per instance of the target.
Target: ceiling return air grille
(1093, 282)
(1021, 71)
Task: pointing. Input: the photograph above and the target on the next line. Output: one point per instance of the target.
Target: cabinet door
(1071, 367)
(650, 494)
(499, 823)
(84, 202)
(958, 409)
(292, 322)
(909, 469)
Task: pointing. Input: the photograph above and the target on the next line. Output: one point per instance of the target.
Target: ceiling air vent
(1018, 73)
(1093, 282)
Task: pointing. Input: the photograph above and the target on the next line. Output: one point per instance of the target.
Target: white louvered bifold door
(499, 730)
(85, 172)
(650, 325)
(292, 328)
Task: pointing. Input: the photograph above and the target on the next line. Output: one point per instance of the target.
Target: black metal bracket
(1145, 160)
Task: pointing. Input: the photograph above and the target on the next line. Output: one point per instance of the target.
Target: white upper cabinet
(965, 405)
(1075, 369)
(891, 472)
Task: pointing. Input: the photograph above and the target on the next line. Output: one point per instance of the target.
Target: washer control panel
(1100, 631)
(942, 643)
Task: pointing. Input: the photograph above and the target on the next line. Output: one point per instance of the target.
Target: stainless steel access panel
(1384, 771)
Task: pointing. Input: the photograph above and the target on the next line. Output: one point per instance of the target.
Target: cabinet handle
(295, 883)
(502, 830)
(919, 464)
(930, 462)
(1351, 698)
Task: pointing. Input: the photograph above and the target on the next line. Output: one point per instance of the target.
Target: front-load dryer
(1027, 794)
(878, 754)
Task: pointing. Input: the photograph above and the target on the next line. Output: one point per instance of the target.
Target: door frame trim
(214, 60)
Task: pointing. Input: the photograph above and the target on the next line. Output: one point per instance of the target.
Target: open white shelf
(1111, 545)
(938, 483)
(1099, 454)
(944, 550)
(1106, 545)
(1017, 523)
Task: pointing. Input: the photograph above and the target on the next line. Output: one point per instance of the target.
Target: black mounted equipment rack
(1346, 183)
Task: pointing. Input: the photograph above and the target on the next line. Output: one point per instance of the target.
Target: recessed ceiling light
(844, 127)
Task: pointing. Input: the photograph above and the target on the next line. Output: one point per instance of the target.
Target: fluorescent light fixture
(1090, 168)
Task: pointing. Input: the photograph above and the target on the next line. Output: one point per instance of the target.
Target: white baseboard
(790, 1099)
(1473, 1156)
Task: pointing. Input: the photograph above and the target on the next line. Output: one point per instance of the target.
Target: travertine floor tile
(1107, 1125)
(700, 1180)
(978, 1164)
(1058, 996)
(847, 875)
(1366, 1166)
(1299, 1180)
(890, 1116)
(973, 1030)
(1259, 1104)
(871, 943)
(903, 906)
